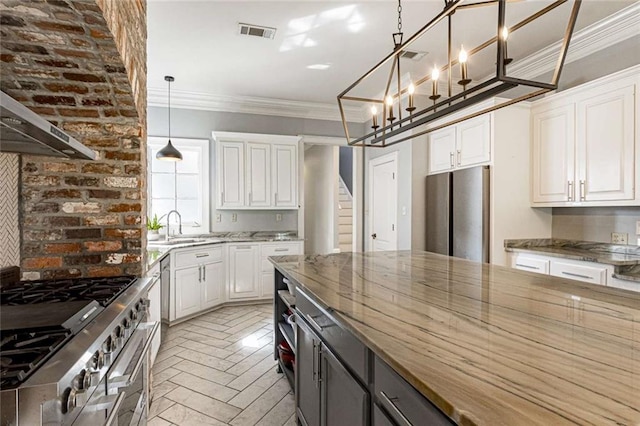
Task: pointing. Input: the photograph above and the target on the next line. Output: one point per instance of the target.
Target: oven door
(128, 379)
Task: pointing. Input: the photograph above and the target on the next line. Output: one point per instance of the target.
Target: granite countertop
(488, 345)
(156, 250)
(625, 258)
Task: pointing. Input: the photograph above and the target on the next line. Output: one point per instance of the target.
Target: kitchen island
(486, 345)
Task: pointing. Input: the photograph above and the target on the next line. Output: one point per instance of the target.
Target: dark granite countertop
(488, 345)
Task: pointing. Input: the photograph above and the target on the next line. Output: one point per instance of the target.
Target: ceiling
(198, 42)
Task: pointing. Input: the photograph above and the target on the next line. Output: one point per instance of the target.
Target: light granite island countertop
(488, 345)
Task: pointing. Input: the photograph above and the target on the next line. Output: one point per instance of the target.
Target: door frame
(390, 157)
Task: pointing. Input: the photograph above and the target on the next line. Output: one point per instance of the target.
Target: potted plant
(153, 227)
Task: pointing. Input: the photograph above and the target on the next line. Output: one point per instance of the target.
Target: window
(181, 185)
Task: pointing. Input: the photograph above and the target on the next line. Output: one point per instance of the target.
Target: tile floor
(218, 369)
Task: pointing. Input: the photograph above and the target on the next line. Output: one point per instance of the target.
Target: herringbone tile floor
(218, 369)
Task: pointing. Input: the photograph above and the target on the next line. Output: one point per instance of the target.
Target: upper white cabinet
(584, 148)
(462, 145)
(256, 171)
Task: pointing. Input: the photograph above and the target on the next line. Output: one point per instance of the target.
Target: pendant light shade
(169, 152)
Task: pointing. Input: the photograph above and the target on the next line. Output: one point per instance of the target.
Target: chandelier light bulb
(505, 33)
(462, 57)
(412, 89)
(374, 117)
(435, 74)
(374, 110)
(389, 101)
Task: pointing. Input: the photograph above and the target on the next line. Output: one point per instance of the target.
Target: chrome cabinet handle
(198, 255)
(204, 273)
(459, 157)
(394, 410)
(570, 190)
(313, 322)
(319, 362)
(242, 247)
(571, 274)
(527, 266)
(276, 198)
(222, 198)
(313, 364)
(281, 249)
(451, 159)
(199, 274)
(113, 415)
(583, 196)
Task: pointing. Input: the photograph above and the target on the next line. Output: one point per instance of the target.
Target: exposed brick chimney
(81, 65)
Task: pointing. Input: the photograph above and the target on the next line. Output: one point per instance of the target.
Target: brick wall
(61, 59)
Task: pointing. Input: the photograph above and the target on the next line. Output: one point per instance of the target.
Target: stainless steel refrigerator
(458, 213)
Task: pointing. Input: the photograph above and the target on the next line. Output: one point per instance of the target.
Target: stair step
(345, 220)
(345, 229)
(346, 205)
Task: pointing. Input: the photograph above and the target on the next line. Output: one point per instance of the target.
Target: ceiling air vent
(413, 55)
(257, 31)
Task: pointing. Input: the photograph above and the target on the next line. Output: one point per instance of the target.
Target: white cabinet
(462, 145)
(198, 280)
(231, 175)
(584, 145)
(256, 172)
(531, 263)
(285, 176)
(267, 271)
(243, 271)
(258, 175)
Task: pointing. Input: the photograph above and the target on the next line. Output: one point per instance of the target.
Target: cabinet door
(284, 179)
(307, 392)
(231, 174)
(343, 400)
(212, 284)
(244, 271)
(473, 140)
(267, 279)
(187, 291)
(605, 146)
(442, 146)
(553, 155)
(258, 175)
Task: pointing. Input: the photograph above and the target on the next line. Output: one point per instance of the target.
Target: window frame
(158, 142)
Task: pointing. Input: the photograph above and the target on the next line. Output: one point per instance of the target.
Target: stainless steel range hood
(24, 132)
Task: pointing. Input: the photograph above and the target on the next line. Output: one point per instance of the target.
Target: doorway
(383, 202)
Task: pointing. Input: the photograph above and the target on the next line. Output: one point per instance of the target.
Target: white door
(187, 288)
(258, 175)
(383, 204)
(231, 174)
(442, 146)
(212, 284)
(244, 271)
(473, 141)
(605, 142)
(553, 154)
(284, 175)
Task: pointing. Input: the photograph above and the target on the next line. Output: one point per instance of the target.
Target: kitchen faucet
(169, 225)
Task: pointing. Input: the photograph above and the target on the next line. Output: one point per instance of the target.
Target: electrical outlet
(278, 217)
(218, 217)
(234, 217)
(619, 238)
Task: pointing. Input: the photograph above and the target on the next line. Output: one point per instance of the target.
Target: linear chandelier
(394, 115)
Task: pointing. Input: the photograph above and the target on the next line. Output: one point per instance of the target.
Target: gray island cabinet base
(416, 338)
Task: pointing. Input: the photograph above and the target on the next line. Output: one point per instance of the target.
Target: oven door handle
(113, 415)
(127, 380)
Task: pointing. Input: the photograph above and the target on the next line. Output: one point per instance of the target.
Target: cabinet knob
(374, 235)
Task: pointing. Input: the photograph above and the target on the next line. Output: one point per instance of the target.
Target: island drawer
(191, 257)
(567, 269)
(530, 263)
(402, 402)
(348, 348)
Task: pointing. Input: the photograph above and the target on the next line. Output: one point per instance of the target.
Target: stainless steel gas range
(75, 352)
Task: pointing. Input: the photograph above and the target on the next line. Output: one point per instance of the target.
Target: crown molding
(600, 35)
(252, 105)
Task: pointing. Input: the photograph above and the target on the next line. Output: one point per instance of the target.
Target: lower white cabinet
(591, 272)
(212, 284)
(267, 270)
(198, 280)
(243, 268)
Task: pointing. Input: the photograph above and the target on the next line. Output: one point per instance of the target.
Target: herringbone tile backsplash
(9, 227)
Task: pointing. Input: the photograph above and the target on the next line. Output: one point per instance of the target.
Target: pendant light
(169, 152)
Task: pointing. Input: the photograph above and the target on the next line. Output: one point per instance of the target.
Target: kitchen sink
(176, 241)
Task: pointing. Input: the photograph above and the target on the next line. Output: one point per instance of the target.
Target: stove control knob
(107, 346)
(134, 314)
(82, 381)
(97, 361)
(68, 400)
(126, 323)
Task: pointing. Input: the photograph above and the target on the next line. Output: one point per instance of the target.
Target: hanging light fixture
(462, 91)
(169, 152)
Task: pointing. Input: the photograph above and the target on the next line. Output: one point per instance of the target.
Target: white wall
(320, 197)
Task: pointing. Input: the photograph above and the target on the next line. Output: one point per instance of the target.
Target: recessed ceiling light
(318, 66)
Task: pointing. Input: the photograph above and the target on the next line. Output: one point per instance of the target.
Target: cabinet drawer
(197, 256)
(531, 264)
(282, 249)
(591, 274)
(402, 402)
(351, 351)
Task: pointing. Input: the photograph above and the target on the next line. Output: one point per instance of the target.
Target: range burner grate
(103, 290)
